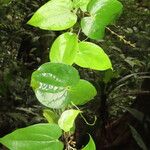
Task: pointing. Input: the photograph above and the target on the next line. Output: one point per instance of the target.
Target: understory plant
(57, 84)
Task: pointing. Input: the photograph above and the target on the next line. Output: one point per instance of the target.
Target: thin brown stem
(122, 38)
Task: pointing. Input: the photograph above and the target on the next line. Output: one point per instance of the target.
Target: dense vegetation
(24, 48)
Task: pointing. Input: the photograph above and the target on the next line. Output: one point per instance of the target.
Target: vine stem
(122, 38)
(90, 124)
(79, 32)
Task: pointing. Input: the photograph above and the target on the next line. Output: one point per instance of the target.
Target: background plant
(57, 84)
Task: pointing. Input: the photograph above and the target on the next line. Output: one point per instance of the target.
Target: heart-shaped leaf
(35, 137)
(54, 15)
(64, 48)
(67, 119)
(56, 85)
(90, 55)
(90, 145)
(102, 13)
(83, 92)
(52, 82)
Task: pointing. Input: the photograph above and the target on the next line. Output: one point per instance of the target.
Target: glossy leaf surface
(102, 13)
(54, 15)
(81, 3)
(51, 83)
(90, 145)
(83, 92)
(67, 119)
(92, 56)
(64, 48)
(35, 137)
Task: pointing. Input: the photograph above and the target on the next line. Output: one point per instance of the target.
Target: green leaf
(66, 121)
(51, 83)
(50, 116)
(102, 13)
(92, 56)
(64, 48)
(81, 3)
(83, 92)
(93, 28)
(54, 15)
(137, 137)
(35, 137)
(56, 85)
(72, 130)
(90, 145)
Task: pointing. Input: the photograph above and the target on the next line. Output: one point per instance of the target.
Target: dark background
(24, 48)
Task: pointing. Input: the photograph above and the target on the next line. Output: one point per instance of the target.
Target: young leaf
(90, 145)
(54, 15)
(50, 116)
(81, 3)
(51, 83)
(64, 48)
(35, 137)
(67, 119)
(92, 56)
(83, 92)
(137, 137)
(102, 13)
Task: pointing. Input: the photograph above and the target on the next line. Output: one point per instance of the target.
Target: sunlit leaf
(92, 56)
(35, 137)
(54, 15)
(56, 85)
(51, 83)
(102, 13)
(66, 121)
(64, 48)
(91, 27)
(90, 145)
(83, 92)
(81, 3)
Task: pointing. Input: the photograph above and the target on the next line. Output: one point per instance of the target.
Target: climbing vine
(57, 84)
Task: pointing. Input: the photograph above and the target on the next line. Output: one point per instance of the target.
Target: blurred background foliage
(23, 48)
(131, 58)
